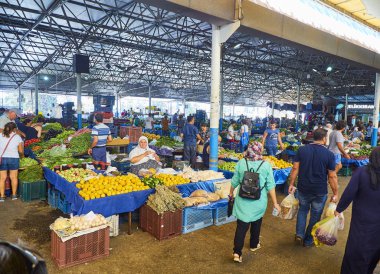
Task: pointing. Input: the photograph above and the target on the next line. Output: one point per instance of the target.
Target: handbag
(250, 185)
(1, 157)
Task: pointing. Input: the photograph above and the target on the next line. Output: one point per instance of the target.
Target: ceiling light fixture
(237, 46)
(329, 68)
(46, 78)
(315, 70)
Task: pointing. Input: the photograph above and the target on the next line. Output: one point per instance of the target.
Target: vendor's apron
(244, 139)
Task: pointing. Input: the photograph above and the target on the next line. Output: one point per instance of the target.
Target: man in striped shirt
(100, 135)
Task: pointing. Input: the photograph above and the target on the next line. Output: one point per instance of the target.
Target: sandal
(237, 258)
(14, 197)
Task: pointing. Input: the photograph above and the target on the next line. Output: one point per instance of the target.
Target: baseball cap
(15, 110)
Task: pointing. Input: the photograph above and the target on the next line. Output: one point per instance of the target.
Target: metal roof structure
(133, 45)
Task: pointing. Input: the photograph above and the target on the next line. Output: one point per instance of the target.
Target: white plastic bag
(289, 207)
(330, 209)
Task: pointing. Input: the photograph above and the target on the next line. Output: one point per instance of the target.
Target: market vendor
(100, 135)
(26, 127)
(206, 152)
(357, 133)
(143, 157)
(271, 139)
(231, 131)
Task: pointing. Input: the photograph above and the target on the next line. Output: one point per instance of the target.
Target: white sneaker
(237, 258)
(257, 248)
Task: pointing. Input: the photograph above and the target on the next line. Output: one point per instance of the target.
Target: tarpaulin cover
(280, 175)
(116, 204)
(358, 163)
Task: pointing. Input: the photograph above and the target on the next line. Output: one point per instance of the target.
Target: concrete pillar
(298, 105)
(79, 101)
(273, 106)
(36, 86)
(376, 112)
(117, 104)
(150, 98)
(221, 103)
(219, 36)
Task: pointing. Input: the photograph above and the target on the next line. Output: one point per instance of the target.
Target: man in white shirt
(149, 123)
(328, 127)
(56, 112)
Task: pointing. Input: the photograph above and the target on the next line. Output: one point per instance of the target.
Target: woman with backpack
(249, 208)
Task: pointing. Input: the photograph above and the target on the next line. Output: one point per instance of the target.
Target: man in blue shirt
(100, 135)
(313, 164)
(190, 135)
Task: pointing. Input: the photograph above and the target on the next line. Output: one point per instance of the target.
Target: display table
(116, 204)
(280, 175)
(358, 163)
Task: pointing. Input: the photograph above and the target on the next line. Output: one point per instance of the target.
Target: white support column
(79, 101)
(346, 108)
(36, 86)
(298, 105)
(273, 106)
(117, 104)
(19, 99)
(219, 36)
(376, 110)
(150, 98)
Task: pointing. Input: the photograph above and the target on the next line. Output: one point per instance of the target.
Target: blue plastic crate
(194, 218)
(220, 216)
(64, 205)
(121, 166)
(53, 197)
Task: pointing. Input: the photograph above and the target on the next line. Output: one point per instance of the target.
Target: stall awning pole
(79, 101)
(298, 105)
(376, 112)
(150, 98)
(36, 93)
(220, 34)
(346, 108)
(19, 99)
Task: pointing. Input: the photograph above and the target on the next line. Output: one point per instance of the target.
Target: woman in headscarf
(363, 244)
(143, 157)
(247, 211)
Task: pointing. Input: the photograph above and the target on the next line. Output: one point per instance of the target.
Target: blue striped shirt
(102, 131)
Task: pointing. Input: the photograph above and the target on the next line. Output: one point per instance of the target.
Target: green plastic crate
(345, 171)
(32, 190)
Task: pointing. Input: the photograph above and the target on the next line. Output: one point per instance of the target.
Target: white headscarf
(137, 151)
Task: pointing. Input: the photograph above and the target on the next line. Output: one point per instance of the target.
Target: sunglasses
(33, 260)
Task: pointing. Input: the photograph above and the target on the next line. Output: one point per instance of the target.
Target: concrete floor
(204, 251)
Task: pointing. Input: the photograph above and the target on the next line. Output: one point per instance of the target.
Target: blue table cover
(358, 163)
(229, 160)
(280, 175)
(290, 152)
(121, 203)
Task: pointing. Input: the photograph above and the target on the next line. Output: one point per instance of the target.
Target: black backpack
(250, 185)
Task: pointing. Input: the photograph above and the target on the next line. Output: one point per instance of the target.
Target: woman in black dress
(363, 244)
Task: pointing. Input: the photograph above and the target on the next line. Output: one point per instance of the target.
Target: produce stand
(280, 175)
(117, 204)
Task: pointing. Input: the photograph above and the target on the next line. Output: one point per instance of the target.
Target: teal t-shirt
(248, 210)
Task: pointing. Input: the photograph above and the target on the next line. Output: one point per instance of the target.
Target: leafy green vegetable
(167, 141)
(80, 144)
(26, 162)
(31, 174)
(55, 152)
(55, 126)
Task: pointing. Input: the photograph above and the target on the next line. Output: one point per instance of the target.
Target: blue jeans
(190, 153)
(314, 203)
(271, 150)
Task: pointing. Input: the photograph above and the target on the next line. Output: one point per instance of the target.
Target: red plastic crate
(134, 133)
(81, 249)
(165, 226)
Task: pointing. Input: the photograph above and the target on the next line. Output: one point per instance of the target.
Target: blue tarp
(290, 152)
(358, 163)
(280, 175)
(116, 204)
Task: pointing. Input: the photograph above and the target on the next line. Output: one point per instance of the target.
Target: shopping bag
(325, 232)
(289, 207)
(330, 209)
(230, 208)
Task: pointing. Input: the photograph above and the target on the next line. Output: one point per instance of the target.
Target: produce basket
(195, 218)
(82, 249)
(163, 226)
(220, 216)
(32, 190)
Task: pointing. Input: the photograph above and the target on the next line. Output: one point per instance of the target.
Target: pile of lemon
(103, 186)
(151, 136)
(277, 163)
(172, 180)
